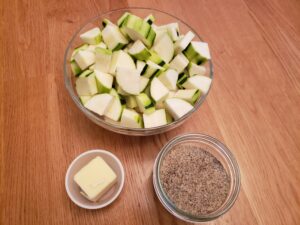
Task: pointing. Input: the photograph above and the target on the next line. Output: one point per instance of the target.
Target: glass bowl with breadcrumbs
(196, 178)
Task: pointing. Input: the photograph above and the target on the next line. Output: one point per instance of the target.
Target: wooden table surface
(253, 107)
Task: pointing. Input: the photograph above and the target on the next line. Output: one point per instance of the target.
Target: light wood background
(253, 107)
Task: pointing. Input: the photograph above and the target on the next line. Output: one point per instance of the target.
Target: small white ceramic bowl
(73, 189)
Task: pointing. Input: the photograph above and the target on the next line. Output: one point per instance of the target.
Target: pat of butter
(95, 178)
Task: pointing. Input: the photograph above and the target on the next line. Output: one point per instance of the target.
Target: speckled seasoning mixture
(194, 180)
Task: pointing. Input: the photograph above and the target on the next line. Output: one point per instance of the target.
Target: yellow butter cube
(95, 179)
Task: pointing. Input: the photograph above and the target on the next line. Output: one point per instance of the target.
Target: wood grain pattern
(254, 107)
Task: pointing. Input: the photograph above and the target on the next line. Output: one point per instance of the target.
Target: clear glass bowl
(217, 149)
(161, 18)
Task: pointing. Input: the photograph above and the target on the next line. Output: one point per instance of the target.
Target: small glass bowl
(217, 149)
(161, 18)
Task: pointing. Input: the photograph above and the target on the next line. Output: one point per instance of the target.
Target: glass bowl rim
(100, 120)
(230, 160)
